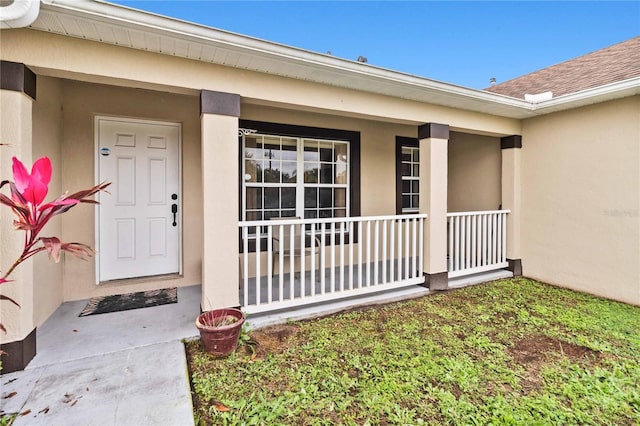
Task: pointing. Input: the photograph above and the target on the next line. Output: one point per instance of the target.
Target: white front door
(139, 222)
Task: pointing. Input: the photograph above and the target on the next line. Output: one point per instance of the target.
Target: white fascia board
(599, 94)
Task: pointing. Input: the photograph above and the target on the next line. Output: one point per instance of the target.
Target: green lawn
(510, 352)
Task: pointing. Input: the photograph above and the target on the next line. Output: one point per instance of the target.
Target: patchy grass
(510, 352)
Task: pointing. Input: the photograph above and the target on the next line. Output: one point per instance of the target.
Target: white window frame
(300, 185)
(411, 177)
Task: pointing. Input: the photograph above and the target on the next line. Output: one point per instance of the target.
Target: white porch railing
(294, 262)
(477, 242)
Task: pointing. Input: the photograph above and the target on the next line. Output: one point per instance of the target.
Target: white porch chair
(284, 246)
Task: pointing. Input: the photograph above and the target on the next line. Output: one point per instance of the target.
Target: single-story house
(278, 177)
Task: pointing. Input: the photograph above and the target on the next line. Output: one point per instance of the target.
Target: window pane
(340, 213)
(288, 213)
(310, 172)
(416, 155)
(326, 151)
(341, 152)
(271, 149)
(271, 213)
(406, 186)
(310, 197)
(252, 171)
(253, 148)
(272, 172)
(326, 200)
(406, 169)
(406, 201)
(254, 215)
(254, 198)
(406, 156)
(326, 173)
(416, 170)
(271, 198)
(414, 201)
(341, 173)
(289, 173)
(415, 186)
(310, 214)
(325, 213)
(288, 198)
(340, 197)
(311, 151)
(289, 149)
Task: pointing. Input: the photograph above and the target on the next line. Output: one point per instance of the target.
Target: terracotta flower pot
(220, 330)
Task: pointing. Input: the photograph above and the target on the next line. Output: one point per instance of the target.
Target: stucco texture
(581, 199)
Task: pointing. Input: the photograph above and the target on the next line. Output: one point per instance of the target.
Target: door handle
(174, 210)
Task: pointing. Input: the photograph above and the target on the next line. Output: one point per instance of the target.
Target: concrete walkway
(121, 368)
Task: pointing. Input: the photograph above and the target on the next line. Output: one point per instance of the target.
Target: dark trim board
(513, 141)
(219, 103)
(400, 142)
(297, 131)
(433, 130)
(437, 281)
(19, 353)
(17, 77)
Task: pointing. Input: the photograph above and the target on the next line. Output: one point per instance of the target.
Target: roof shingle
(609, 65)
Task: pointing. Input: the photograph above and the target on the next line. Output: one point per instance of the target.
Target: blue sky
(463, 43)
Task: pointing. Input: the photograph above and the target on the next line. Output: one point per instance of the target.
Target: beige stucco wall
(47, 139)
(474, 172)
(82, 102)
(581, 199)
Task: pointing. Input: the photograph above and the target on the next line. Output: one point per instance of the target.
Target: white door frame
(96, 169)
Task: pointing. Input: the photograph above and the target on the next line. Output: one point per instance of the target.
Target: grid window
(294, 177)
(410, 179)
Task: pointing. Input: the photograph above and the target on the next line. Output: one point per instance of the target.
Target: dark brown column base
(515, 266)
(439, 281)
(19, 353)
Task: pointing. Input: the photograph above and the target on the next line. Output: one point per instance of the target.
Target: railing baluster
(376, 256)
(384, 252)
(368, 253)
(281, 263)
(351, 242)
(341, 256)
(407, 254)
(312, 241)
(392, 250)
(494, 237)
(323, 260)
(504, 237)
(400, 272)
(361, 237)
(467, 253)
(303, 266)
(421, 244)
(333, 257)
(269, 263)
(414, 252)
(451, 220)
(245, 263)
(292, 262)
(456, 241)
(258, 262)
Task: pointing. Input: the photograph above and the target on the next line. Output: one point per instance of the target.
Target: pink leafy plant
(28, 192)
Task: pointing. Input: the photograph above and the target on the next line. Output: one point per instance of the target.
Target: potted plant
(220, 330)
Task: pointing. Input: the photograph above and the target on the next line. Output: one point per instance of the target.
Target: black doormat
(125, 302)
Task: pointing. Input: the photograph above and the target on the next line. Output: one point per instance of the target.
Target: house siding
(581, 199)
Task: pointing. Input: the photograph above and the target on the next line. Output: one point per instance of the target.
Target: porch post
(220, 261)
(434, 139)
(511, 146)
(17, 93)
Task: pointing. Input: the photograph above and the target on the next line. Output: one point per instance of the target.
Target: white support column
(220, 256)
(434, 140)
(511, 197)
(17, 93)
